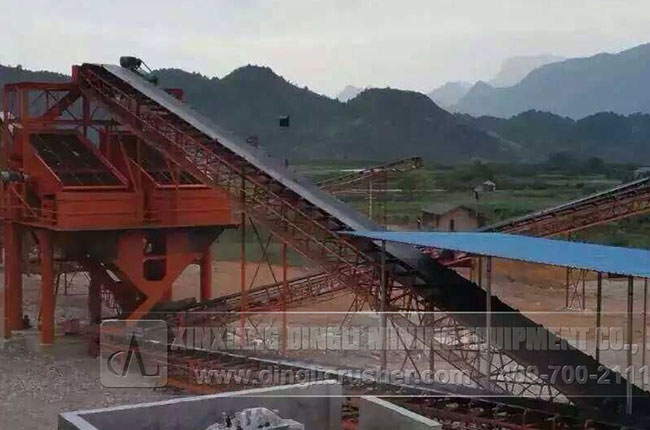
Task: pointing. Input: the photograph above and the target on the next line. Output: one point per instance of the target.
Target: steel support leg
(566, 292)
(488, 315)
(575, 289)
(584, 295)
(95, 300)
(168, 295)
(285, 290)
(599, 307)
(645, 328)
(13, 301)
(370, 199)
(206, 275)
(432, 345)
(382, 307)
(630, 371)
(242, 277)
(472, 270)
(47, 286)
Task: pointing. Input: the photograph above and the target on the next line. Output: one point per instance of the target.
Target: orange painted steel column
(206, 275)
(6, 299)
(168, 294)
(383, 305)
(242, 273)
(242, 257)
(13, 278)
(285, 289)
(95, 300)
(47, 286)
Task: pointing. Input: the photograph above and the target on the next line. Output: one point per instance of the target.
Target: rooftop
(443, 208)
(588, 256)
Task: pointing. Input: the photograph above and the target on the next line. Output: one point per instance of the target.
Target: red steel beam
(206, 275)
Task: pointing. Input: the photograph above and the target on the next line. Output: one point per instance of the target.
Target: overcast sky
(325, 45)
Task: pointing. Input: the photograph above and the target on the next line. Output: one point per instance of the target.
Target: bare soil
(37, 384)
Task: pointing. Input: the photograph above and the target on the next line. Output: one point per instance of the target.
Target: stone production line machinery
(161, 183)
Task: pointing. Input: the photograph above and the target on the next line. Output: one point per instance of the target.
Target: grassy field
(521, 189)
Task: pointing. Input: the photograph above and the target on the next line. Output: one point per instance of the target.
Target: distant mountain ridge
(377, 124)
(514, 69)
(382, 124)
(607, 135)
(575, 88)
(449, 94)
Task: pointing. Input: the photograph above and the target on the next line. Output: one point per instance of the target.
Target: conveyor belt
(606, 206)
(160, 119)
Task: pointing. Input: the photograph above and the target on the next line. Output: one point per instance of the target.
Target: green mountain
(10, 75)
(575, 88)
(383, 124)
(377, 124)
(610, 136)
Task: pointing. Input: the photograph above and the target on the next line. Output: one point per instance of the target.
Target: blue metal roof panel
(599, 258)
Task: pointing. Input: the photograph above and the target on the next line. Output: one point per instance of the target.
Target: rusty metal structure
(623, 201)
(453, 410)
(632, 198)
(368, 175)
(92, 193)
(371, 182)
(128, 181)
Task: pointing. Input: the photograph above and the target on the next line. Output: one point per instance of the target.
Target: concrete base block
(317, 406)
(378, 414)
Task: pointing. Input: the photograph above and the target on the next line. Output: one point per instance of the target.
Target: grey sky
(410, 44)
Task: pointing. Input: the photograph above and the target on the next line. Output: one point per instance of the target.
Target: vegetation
(609, 136)
(378, 124)
(521, 189)
(383, 124)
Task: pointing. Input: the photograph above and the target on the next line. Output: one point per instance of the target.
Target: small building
(451, 217)
(489, 186)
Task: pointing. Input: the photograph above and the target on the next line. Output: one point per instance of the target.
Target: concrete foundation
(378, 414)
(318, 406)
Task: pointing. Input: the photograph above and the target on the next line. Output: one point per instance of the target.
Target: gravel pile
(36, 386)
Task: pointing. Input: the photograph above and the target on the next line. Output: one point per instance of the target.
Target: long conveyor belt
(622, 201)
(309, 220)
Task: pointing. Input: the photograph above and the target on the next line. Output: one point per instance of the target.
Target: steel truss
(192, 371)
(604, 207)
(575, 297)
(308, 229)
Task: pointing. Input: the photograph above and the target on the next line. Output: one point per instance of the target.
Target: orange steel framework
(310, 228)
(90, 192)
(310, 224)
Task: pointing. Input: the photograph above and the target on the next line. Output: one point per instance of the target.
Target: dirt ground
(37, 384)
